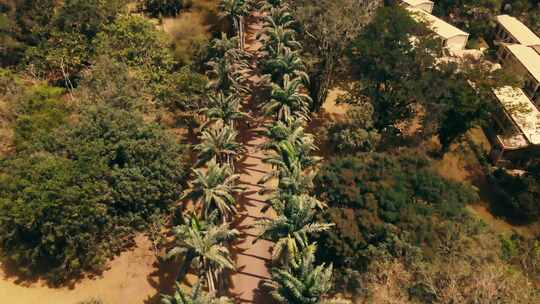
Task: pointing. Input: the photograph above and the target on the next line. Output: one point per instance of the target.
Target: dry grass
(189, 34)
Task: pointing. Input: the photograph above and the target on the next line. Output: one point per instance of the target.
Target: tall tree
(303, 282)
(285, 62)
(219, 144)
(197, 296)
(223, 109)
(288, 101)
(328, 27)
(228, 75)
(214, 188)
(236, 10)
(205, 244)
(390, 65)
(294, 223)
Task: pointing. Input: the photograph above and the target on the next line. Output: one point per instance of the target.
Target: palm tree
(294, 223)
(291, 167)
(225, 46)
(288, 101)
(278, 16)
(303, 282)
(236, 10)
(214, 188)
(273, 36)
(269, 4)
(197, 296)
(223, 109)
(291, 130)
(218, 143)
(283, 62)
(228, 75)
(205, 244)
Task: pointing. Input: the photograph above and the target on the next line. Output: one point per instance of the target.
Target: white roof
(417, 2)
(528, 57)
(439, 26)
(522, 111)
(518, 30)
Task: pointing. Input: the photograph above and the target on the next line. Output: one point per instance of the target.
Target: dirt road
(251, 258)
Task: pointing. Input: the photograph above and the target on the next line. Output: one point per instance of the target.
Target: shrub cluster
(73, 193)
(374, 196)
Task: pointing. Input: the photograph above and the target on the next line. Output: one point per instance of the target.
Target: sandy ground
(460, 164)
(330, 106)
(131, 278)
(251, 258)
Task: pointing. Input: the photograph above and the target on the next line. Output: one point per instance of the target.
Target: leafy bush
(111, 82)
(183, 90)
(372, 196)
(66, 45)
(38, 112)
(159, 8)
(64, 212)
(356, 133)
(51, 217)
(140, 162)
(518, 194)
(134, 41)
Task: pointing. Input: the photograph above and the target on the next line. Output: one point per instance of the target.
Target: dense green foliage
(476, 16)
(403, 79)
(135, 41)
(403, 229)
(390, 67)
(60, 45)
(68, 206)
(356, 133)
(162, 8)
(37, 114)
(519, 195)
(372, 196)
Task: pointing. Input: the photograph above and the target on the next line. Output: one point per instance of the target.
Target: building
(510, 30)
(524, 62)
(424, 5)
(515, 133)
(453, 38)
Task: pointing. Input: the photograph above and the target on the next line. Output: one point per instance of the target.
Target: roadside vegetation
(122, 118)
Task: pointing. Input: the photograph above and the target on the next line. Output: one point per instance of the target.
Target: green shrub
(519, 195)
(161, 8)
(38, 112)
(134, 41)
(356, 133)
(140, 162)
(65, 47)
(51, 217)
(372, 196)
(65, 212)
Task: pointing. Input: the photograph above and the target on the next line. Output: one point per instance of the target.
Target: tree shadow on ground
(27, 278)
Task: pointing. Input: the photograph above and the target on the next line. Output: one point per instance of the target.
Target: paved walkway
(251, 258)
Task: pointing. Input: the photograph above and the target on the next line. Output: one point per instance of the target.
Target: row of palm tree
(295, 277)
(202, 241)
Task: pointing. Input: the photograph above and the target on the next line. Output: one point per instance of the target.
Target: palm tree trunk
(236, 26)
(323, 82)
(210, 279)
(241, 32)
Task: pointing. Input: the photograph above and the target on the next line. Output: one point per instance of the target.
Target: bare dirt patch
(462, 165)
(133, 277)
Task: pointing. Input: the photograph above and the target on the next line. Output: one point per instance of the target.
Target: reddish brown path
(251, 258)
